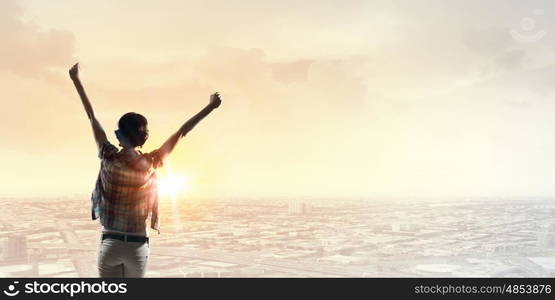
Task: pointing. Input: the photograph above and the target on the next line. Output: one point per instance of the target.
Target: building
(15, 250)
(296, 207)
(546, 237)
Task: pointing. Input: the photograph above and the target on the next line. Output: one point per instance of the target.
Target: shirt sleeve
(107, 150)
(154, 159)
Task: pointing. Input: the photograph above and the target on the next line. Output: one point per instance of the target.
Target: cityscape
(387, 237)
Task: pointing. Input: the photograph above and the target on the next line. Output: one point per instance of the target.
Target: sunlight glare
(172, 185)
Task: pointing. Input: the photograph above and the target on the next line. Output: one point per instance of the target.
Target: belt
(125, 238)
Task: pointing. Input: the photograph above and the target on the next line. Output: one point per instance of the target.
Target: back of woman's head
(135, 128)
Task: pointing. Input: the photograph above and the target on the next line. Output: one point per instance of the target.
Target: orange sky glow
(342, 98)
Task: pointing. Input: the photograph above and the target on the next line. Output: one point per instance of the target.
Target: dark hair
(134, 127)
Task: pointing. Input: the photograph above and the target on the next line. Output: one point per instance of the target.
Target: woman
(126, 194)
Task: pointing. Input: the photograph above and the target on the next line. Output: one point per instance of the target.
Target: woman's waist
(113, 231)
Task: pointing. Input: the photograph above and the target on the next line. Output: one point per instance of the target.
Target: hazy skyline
(338, 98)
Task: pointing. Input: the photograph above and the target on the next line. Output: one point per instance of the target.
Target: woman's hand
(215, 100)
(74, 72)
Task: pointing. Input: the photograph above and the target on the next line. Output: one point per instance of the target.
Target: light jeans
(122, 259)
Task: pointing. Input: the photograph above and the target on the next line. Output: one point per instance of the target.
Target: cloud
(27, 49)
(31, 60)
(289, 72)
(365, 98)
(498, 50)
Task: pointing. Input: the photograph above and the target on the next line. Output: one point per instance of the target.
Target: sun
(172, 185)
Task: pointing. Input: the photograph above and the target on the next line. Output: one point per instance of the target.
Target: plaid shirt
(125, 195)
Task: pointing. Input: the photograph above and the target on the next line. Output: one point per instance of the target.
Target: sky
(320, 98)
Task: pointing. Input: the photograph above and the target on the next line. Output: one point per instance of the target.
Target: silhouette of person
(125, 194)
